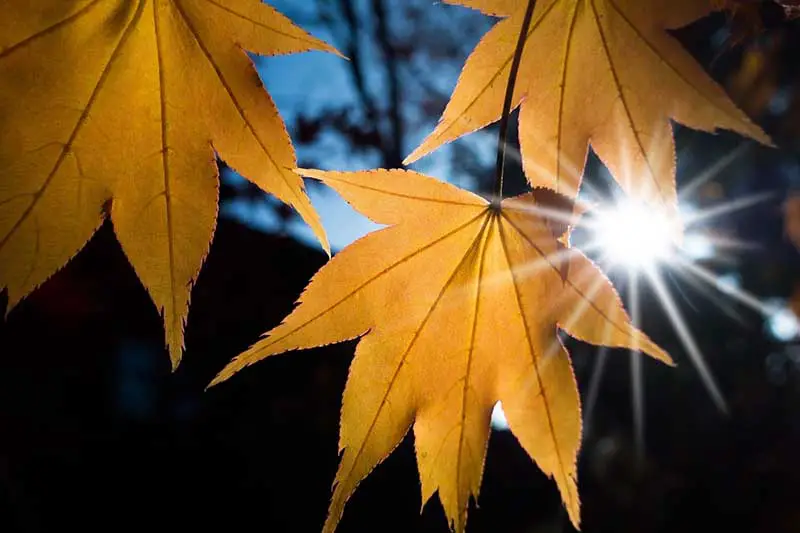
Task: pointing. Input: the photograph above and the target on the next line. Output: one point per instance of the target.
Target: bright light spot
(499, 422)
(697, 246)
(783, 324)
(633, 234)
(728, 283)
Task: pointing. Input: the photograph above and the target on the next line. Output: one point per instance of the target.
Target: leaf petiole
(512, 79)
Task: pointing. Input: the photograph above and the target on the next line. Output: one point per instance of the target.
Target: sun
(645, 243)
(633, 235)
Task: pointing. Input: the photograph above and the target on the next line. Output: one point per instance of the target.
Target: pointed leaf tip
(445, 264)
(196, 88)
(612, 55)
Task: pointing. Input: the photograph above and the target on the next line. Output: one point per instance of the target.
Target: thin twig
(512, 80)
(393, 147)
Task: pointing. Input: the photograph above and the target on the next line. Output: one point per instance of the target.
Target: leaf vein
(663, 59)
(50, 29)
(411, 344)
(473, 331)
(624, 100)
(403, 195)
(82, 119)
(234, 100)
(375, 277)
(175, 312)
(542, 390)
(261, 24)
(499, 71)
(569, 282)
(562, 90)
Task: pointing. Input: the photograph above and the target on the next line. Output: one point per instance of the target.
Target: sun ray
(544, 262)
(727, 243)
(579, 310)
(687, 340)
(713, 293)
(642, 239)
(637, 388)
(713, 171)
(557, 215)
(631, 234)
(594, 388)
(727, 208)
(740, 295)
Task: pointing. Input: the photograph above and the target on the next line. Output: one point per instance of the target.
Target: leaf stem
(512, 80)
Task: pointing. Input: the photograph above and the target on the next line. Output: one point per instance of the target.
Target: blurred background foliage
(96, 433)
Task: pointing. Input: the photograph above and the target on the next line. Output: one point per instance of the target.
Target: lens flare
(633, 235)
(647, 244)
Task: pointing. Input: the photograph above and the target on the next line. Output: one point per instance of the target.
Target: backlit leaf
(130, 101)
(459, 304)
(603, 72)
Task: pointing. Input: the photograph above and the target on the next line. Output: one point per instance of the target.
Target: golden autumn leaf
(599, 72)
(129, 101)
(459, 304)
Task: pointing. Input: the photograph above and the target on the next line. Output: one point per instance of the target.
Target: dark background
(96, 433)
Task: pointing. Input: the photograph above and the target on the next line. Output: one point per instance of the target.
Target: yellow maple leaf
(129, 101)
(603, 72)
(459, 303)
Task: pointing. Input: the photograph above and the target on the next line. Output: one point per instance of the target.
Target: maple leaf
(603, 72)
(130, 101)
(458, 303)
